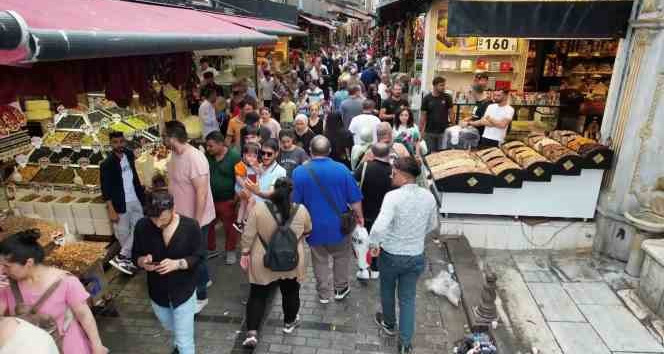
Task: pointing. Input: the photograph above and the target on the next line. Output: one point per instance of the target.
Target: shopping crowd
(302, 161)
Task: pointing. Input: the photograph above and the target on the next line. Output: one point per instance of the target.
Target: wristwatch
(182, 264)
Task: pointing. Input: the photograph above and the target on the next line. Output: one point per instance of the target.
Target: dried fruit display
(84, 200)
(11, 119)
(77, 257)
(46, 174)
(28, 172)
(121, 127)
(55, 138)
(56, 157)
(13, 224)
(39, 153)
(77, 155)
(96, 159)
(96, 117)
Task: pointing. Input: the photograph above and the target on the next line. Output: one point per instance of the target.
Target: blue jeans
(398, 274)
(180, 321)
(202, 272)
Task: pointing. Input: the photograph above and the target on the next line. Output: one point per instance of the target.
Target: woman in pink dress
(21, 261)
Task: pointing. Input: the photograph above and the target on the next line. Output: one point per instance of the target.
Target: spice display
(28, 172)
(137, 122)
(121, 127)
(77, 257)
(78, 137)
(123, 112)
(39, 153)
(84, 200)
(14, 224)
(96, 159)
(54, 138)
(47, 199)
(66, 152)
(90, 176)
(46, 174)
(71, 121)
(65, 176)
(95, 117)
(102, 136)
(29, 198)
(66, 199)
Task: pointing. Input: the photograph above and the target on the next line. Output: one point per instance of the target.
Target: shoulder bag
(346, 217)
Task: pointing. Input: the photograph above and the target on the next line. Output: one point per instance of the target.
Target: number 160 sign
(497, 44)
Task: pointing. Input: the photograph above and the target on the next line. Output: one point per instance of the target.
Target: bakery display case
(460, 171)
(594, 154)
(566, 161)
(508, 173)
(535, 166)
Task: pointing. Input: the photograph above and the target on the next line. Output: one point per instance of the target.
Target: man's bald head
(381, 150)
(320, 146)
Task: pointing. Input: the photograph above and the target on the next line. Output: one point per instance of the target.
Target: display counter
(555, 176)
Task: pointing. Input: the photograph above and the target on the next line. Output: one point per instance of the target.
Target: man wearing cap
(408, 214)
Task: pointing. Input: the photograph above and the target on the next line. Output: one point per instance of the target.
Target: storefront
(78, 80)
(560, 71)
(320, 33)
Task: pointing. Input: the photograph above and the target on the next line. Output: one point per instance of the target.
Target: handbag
(347, 217)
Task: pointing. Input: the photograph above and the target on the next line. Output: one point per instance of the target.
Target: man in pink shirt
(189, 183)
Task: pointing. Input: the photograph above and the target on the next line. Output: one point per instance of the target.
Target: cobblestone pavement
(336, 328)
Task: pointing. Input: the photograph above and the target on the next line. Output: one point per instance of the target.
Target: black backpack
(281, 253)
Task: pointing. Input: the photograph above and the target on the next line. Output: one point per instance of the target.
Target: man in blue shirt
(370, 76)
(326, 240)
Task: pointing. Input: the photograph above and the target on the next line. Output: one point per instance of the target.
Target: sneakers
(290, 327)
(238, 226)
(123, 264)
(387, 329)
(366, 274)
(250, 342)
(341, 294)
(208, 284)
(213, 254)
(323, 301)
(231, 258)
(200, 304)
(405, 349)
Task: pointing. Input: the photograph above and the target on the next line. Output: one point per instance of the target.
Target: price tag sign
(21, 160)
(36, 142)
(44, 162)
(84, 162)
(497, 44)
(76, 146)
(65, 161)
(96, 147)
(57, 149)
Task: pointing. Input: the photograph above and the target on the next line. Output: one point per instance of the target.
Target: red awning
(78, 29)
(319, 23)
(261, 25)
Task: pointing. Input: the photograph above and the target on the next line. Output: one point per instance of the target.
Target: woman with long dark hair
(340, 137)
(263, 221)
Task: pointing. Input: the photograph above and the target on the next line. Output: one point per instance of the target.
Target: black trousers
(290, 302)
(487, 143)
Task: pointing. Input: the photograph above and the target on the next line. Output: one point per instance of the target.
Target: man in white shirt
(496, 120)
(314, 93)
(384, 87)
(366, 120)
(205, 67)
(207, 113)
(267, 89)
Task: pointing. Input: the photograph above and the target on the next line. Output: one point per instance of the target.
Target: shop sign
(497, 44)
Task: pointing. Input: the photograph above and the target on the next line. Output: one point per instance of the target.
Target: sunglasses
(267, 153)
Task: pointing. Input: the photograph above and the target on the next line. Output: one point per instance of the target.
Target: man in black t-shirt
(482, 101)
(390, 108)
(436, 114)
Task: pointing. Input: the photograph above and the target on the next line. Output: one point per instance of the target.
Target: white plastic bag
(444, 285)
(361, 247)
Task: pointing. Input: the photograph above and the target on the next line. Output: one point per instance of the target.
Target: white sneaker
(200, 304)
(363, 274)
(374, 274)
(208, 284)
(323, 301)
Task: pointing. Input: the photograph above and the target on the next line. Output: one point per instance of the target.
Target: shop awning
(81, 29)
(539, 19)
(271, 27)
(390, 11)
(319, 23)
